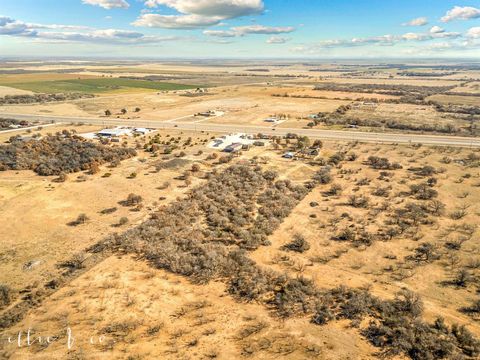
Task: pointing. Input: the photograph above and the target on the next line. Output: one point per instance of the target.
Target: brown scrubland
(159, 246)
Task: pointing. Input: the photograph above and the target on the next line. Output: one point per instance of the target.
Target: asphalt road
(348, 135)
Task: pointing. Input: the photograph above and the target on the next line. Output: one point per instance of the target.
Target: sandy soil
(147, 313)
(153, 314)
(44, 237)
(5, 90)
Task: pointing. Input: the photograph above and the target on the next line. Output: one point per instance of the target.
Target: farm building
(117, 132)
(233, 148)
(226, 142)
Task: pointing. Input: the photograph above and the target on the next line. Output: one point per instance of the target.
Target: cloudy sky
(240, 28)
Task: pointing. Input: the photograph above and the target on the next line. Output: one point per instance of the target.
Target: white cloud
(108, 4)
(461, 13)
(9, 26)
(436, 30)
(183, 22)
(421, 21)
(109, 36)
(225, 9)
(220, 33)
(260, 29)
(195, 14)
(430, 36)
(73, 33)
(59, 27)
(252, 29)
(415, 36)
(474, 33)
(384, 40)
(277, 40)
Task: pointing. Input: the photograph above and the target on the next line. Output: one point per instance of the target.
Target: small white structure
(275, 120)
(210, 113)
(89, 136)
(227, 141)
(272, 120)
(116, 132)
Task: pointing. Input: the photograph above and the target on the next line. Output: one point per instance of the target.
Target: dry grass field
(249, 94)
(456, 99)
(158, 246)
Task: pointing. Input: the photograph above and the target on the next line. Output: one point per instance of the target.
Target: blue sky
(240, 28)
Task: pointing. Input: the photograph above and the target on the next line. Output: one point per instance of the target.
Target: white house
(117, 132)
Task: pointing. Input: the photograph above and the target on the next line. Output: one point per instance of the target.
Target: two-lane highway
(347, 135)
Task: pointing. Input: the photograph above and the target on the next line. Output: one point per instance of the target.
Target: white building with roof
(116, 132)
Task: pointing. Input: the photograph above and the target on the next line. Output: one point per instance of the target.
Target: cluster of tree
(408, 93)
(41, 98)
(7, 123)
(58, 154)
(332, 119)
(239, 207)
(396, 325)
(168, 144)
(379, 163)
(207, 235)
(426, 74)
(458, 109)
(460, 93)
(340, 117)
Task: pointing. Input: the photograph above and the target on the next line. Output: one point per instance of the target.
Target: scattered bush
(5, 295)
(298, 244)
(423, 191)
(378, 163)
(323, 176)
(132, 200)
(108, 211)
(123, 221)
(81, 219)
(240, 207)
(358, 201)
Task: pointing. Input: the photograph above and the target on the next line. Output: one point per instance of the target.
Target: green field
(96, 86)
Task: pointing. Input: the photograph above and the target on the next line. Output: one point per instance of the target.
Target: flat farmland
(399, 112)
(395, 81)
(97, 85)
(470, 87)
(245, 105)
(335, 95)
(7, 90)
(456, 99)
